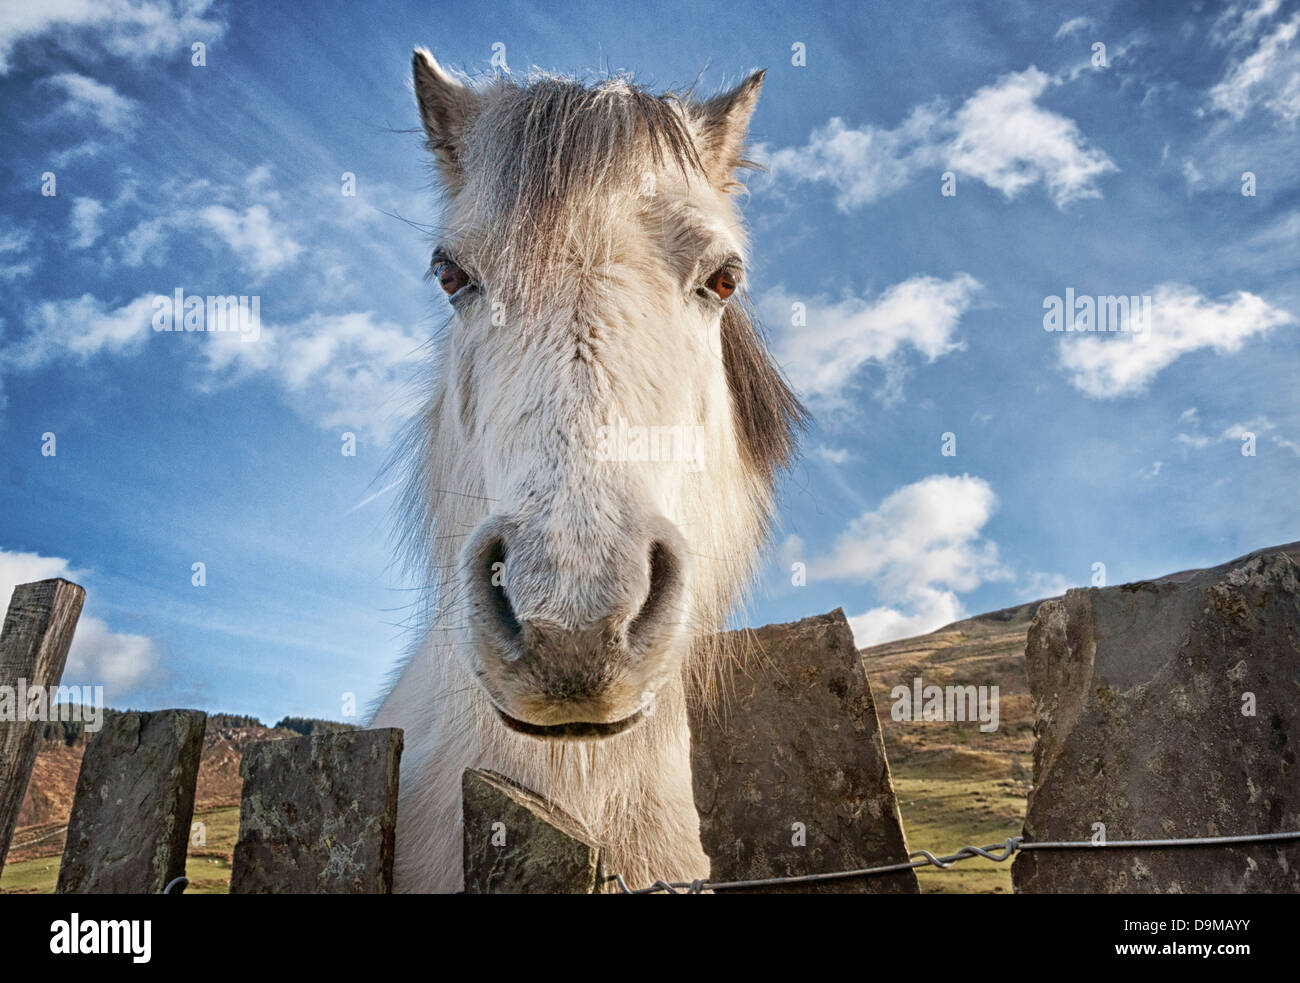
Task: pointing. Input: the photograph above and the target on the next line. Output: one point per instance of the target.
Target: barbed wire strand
(1011, 846)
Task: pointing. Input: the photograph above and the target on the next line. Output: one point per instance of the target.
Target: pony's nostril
(495, 562)
(665, 586)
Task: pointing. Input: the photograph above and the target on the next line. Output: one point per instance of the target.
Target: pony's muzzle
(553, 667)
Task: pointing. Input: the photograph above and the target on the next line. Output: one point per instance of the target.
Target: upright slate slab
(38, 628)
(1168, 709)
(318, 814)
(794, 753)
(517, 843)
(130, 822)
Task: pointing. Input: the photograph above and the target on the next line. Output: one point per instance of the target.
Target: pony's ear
(722, 123)
(447, 108)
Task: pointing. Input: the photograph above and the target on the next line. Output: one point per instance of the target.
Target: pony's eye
(450, 276)
(722, 283)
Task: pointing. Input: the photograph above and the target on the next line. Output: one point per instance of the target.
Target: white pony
(576, 568)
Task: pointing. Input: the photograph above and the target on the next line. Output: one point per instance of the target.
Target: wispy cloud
(1257, 427)
(1240, 23)
(866, 163)
(1073, 26)
(1000, 137)
(1269, 75)
(1040, 584)
(13, 245)
(337, 371)
(133, 29)
(838, 338)
(831, 455)
(262, 245)
(94, 102)
(87, 220)
(1182, 321)
(78, 329)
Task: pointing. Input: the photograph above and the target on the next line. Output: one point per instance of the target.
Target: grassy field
(958, 786)
(940, 814)
(943, 815)
(208, 865)
(943, 810)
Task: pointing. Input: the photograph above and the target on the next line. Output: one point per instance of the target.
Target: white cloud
(1260, 426)
(85, 148)
(24, 568)
(1240, 22)
(338, 371)
(840, 338)
(1268, 77)
(98, 656)
(134, 29)
(1000, 136)
(247, 218)
(792, 550)
(831, 455)
(86, 99)
(14, 241)
(79, 328)
(87, 218)
(922, 546)
(262, 245)
(868, 163)
(930, 609)
(1073, 26)
(1040, 584)
(1005, 139)
(146, 241)
(1182, 321)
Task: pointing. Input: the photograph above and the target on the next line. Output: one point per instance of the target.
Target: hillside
(43, 816)
(956, 785)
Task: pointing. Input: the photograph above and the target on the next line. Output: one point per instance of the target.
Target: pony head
(594, 472)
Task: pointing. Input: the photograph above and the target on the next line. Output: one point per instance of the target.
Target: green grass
(943, 809)
(943, 815)
(207, 866)
(30, 876)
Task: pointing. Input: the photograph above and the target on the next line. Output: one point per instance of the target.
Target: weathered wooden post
(318, 814)
(130, 822)
(1168, 709)
(516, 843)
(37, 632)
(790, 771)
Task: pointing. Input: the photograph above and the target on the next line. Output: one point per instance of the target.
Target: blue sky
(920, 314)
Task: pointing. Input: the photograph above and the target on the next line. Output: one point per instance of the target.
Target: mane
(559, 149)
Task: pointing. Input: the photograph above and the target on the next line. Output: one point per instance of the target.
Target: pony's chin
(577, 730)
